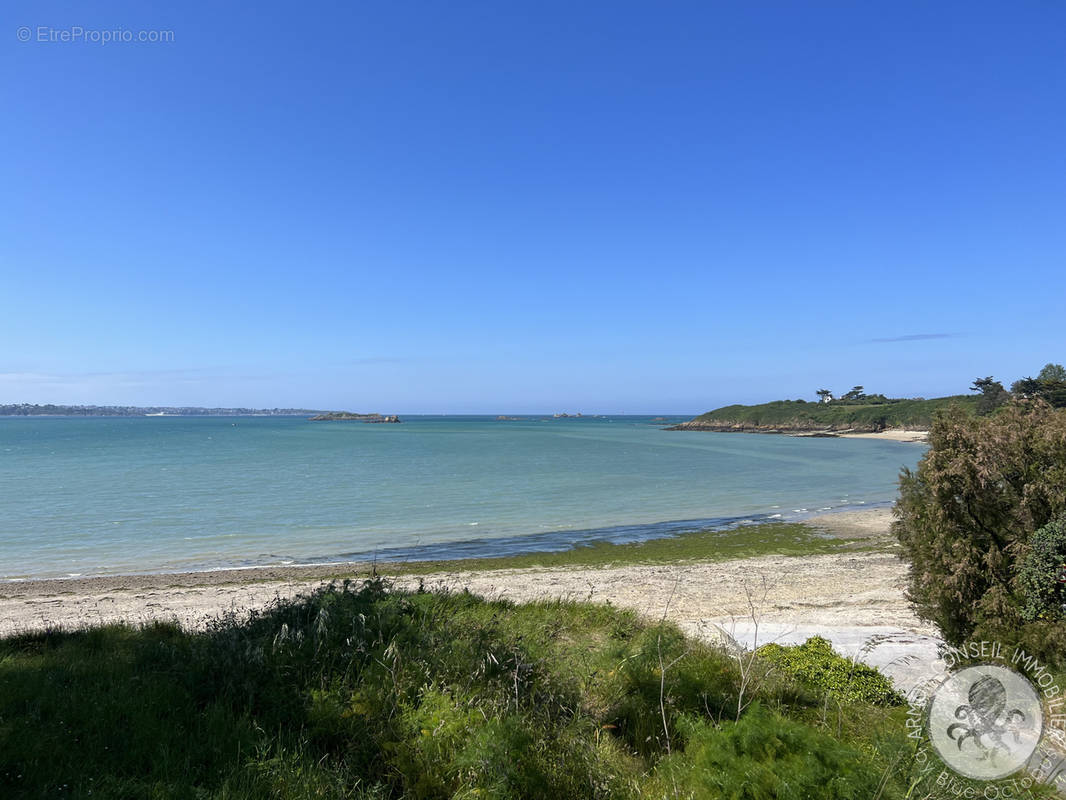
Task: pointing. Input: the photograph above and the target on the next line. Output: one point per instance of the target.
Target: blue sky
(490, 207)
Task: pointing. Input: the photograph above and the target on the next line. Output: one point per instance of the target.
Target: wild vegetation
(363, 691)
(980, 521)
(1049, 385)
(863, 414)
(855, 410)
(1042, 574)
(816, 662)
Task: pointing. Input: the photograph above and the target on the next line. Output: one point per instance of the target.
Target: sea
(106, 496)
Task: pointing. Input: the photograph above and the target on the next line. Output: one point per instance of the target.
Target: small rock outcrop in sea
(348, 416)
(504, 418)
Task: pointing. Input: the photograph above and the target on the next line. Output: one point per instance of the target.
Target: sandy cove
(889, 435)
(895, 435)
(848, 597)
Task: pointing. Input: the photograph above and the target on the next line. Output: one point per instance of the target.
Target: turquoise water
(107, 496)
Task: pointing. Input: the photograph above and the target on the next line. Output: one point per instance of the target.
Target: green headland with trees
(859, 412)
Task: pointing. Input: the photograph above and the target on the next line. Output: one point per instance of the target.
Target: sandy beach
(900, 435)
(847, 597)
(891, 435)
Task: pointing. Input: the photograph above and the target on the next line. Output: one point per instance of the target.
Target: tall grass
(362, 691)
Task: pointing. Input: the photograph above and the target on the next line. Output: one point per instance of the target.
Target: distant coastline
(885, 434)
(50, 410)
(903, 419)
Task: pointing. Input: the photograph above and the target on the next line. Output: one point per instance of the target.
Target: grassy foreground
(369, 692)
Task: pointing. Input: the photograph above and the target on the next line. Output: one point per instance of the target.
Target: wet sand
(868, 523)
(847, 596)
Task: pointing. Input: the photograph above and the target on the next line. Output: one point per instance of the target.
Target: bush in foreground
(1042, 575)
(374, 693)
(817, 663)
(965, 518)
(764, 755)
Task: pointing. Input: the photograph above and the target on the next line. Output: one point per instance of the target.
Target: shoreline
(466, 550)
(848, 523)
(887, 435)
(191, 596)
(850, 595)
(890, 435)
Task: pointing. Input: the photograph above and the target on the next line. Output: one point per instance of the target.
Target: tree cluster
(1049, 386)
(967, 520)
(855, 396)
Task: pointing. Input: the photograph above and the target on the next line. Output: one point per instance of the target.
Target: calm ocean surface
(104, 496)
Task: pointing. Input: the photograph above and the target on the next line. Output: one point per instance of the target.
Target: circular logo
(985, 721)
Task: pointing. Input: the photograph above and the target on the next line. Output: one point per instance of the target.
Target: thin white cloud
(916, 337)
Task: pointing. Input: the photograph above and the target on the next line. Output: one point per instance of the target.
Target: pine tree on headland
(993, 395)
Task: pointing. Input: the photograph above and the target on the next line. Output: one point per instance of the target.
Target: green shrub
(816, 662)
(764, 756)
(983, 488)
(698, 680)
(369, 692)
(1040, 577)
